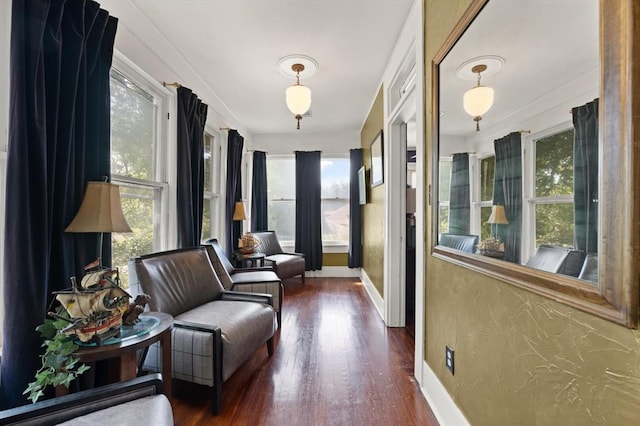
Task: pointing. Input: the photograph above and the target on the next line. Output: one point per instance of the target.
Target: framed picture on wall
(377, 160)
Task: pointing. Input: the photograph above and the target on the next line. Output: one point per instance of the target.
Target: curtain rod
(222, 129)
(174, 84)
(524, 131)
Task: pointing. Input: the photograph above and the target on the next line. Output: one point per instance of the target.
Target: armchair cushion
(466, 243)
(138, 401)
(557, 259)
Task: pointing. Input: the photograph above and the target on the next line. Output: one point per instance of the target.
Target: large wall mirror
(535, 166)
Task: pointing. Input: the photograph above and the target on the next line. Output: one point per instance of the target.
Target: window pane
(139, 207)
(133, 124)
(208, 155)
(487, 172)
(485, 228)
(335, 178)
(206, 219)
(281, 178)
(445, 181)
(335, 221)
(335, 200)
(554, 224)
(554, 165)
(282, 219)
(443, 218)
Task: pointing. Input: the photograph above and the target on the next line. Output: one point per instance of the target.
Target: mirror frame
(616, 298)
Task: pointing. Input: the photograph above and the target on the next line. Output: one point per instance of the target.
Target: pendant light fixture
(478, 100)
(298, 97)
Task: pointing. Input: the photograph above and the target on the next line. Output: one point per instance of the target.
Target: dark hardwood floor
(335, 363)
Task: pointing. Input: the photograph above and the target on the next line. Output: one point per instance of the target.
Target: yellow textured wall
(373, 211)
(520, 359)
(335, 259)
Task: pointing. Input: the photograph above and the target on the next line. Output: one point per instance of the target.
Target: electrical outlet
(448, 360)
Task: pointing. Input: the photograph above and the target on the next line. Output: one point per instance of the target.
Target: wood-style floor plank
(335, 363)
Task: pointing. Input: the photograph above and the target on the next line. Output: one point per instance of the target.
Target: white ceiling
(231, 48)
(551, 57)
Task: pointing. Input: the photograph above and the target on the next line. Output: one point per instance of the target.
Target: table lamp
(498, 217)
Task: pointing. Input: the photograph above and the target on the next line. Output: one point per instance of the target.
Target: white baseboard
(441, 403)
(334, 271)
(372, 291)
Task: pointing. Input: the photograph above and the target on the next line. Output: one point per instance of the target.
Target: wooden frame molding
(617, 296)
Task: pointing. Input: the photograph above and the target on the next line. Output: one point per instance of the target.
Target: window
(552, 201)
(443, 195)
(335, 201)
(212, 173)
(281, 197)
(487, 173)
(136, 165)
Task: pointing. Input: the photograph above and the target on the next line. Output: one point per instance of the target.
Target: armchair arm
(247, 297)
(63, 408)
(293, 253)
(256, 268)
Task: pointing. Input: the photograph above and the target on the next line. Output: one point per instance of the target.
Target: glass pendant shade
(478, 101)
(298, 98)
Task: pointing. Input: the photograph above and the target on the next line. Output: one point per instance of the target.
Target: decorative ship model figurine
(95, 307)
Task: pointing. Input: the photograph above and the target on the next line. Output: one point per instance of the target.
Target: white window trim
(529, 200)
(215, 195)
(165, 171)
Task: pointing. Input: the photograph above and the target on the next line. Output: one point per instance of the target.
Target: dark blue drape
(61, 53)
(460, 201)
(355, 210)
(235, 143)
(585, 176)
(507, 190)
(309, 208)
(192, 116)
(259, 216)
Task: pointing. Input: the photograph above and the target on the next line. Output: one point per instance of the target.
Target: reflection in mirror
(518, 181)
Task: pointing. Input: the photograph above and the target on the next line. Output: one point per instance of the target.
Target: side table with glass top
(120, 352)
(250, 259)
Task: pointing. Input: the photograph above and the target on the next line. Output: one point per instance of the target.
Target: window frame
(214, 197)
(334, 246)
(165, 174)
(530, 200)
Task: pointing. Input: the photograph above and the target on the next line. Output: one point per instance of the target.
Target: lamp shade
(298, 98)
(498, 215)
(100, 210)
(239, 212)
(478, 101)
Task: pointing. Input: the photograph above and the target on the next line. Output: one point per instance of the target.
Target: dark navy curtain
(460, 201)
(507, 191)
(61, 53)
(355, 210)
(259, 216)
(585, 176)
(309, 208)
(192, 116)
(235, 144)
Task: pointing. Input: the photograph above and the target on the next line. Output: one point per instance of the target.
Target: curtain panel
(192, 116)
(585, 176)
(309, 208)
(233, 229)
(355, 210)
(460, 200)
(507, 191)
(61, 53)
(259, 216)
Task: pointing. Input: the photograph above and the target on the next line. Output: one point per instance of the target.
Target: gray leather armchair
(465, 243)
(251, 280)
(285, 264)
(214, 331)
(138, 402)
(557, 259)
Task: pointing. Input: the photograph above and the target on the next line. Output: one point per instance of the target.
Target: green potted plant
(59, 366)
